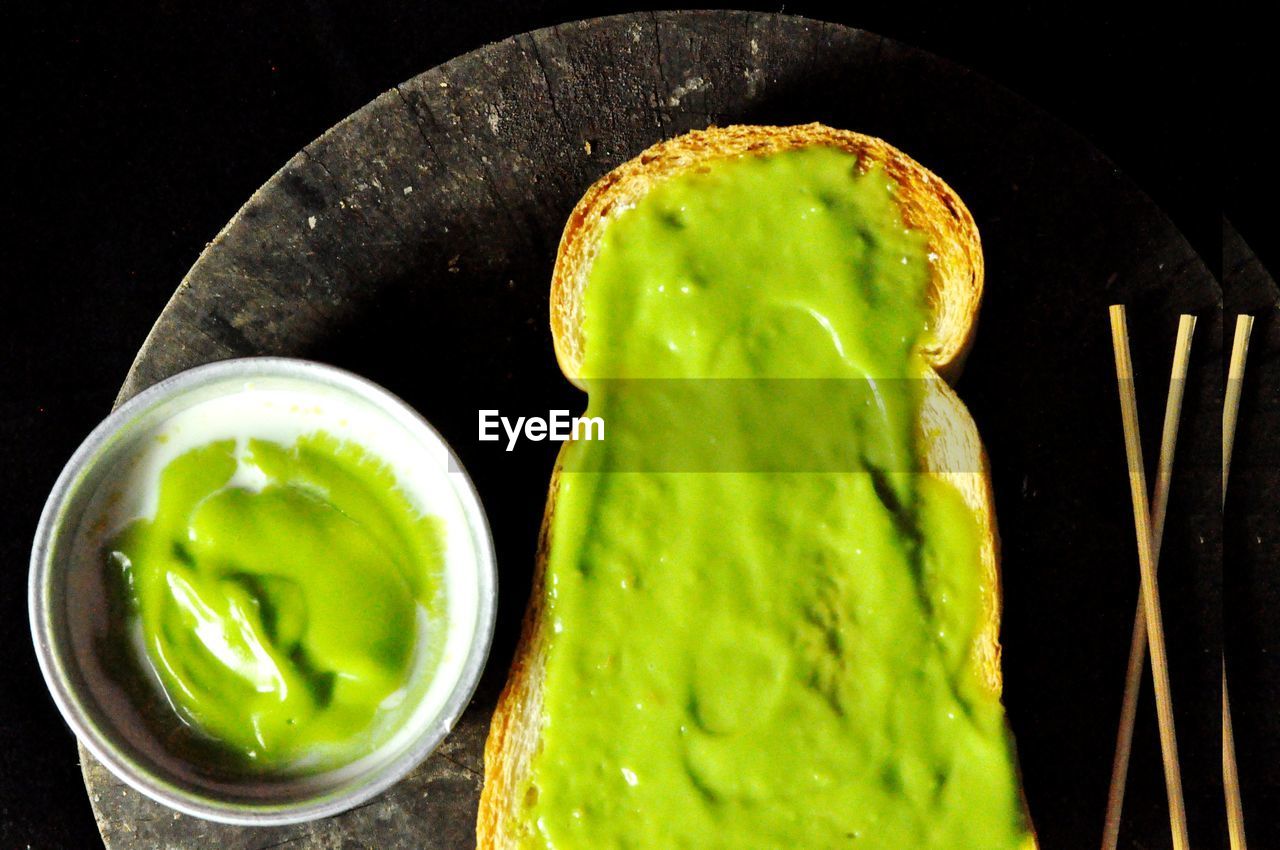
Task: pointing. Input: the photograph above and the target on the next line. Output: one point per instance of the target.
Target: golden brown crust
(952, 449)
(928, 205)
(513, 730)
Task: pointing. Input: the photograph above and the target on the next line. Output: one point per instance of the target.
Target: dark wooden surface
(413, 243)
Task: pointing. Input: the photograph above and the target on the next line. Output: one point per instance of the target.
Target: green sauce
(764, 659)
(281, 620)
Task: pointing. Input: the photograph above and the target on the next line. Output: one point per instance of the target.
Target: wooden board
(413, 243)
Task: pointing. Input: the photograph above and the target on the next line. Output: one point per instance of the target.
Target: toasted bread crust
(928, 205)
(513, 730)
(950, 445)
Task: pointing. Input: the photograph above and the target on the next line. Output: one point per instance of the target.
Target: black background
(139, 130)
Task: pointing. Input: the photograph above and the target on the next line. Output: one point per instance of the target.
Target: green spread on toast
(754, 656)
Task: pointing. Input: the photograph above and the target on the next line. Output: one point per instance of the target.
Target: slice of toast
(949, 439)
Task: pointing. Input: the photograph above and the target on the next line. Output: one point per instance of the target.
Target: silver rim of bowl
(99, 741)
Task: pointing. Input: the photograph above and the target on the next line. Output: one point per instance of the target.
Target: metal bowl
(68, 605)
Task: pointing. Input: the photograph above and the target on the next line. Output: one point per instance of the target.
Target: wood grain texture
(414, 241)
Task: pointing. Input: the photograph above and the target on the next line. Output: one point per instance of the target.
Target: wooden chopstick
(1230, 412)
(1138, 640)
(1146, 566)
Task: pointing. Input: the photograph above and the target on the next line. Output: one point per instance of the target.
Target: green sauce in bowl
(277, 597)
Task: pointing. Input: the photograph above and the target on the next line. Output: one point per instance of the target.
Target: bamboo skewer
(1230, 775)
(1138, 640)
(1235, 383)
(1230, 412)
(1150, 589)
